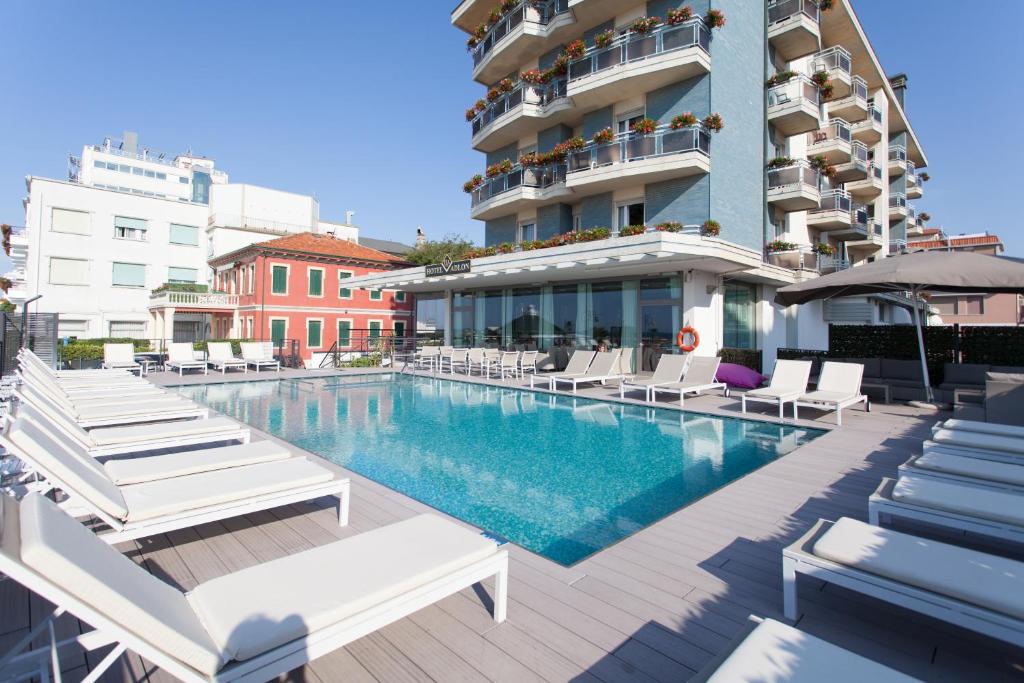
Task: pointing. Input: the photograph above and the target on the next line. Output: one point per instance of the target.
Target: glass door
(660, 319)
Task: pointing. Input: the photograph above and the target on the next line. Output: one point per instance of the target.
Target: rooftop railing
(228, 220)
(631, 47)
(796, 88)
(530, 11)
(797, 174)
(833, 59)
(632, 147)
(193, 299)
(540, 95)
(531, 176)
(784, 9)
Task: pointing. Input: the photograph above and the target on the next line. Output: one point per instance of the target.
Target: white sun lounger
(788, 383)
(154, 507)
(976, 445)
(120, 357)
(131, 413)
(220, 356)
(94, 394)
(604, 367)
(669, 371)
(699, 377)
(28, 356)
(260, 355)
(969, 470)
(768, 650)
(838, 388)
(88, 380)
(579, 361)
(232, 628)
(971, 589)
(993, 428)
(181, 357)
(977, 508)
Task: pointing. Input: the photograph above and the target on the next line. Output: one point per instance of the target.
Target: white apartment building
(129, 219)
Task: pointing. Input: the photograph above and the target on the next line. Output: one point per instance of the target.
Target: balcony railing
(530, 12)
(797, 174)
(835, 200)
(193, 299)
(797, 88)
(874, 113)
(859, 88)
(632, 147)
(540, 95)
(538, 177)
(837, 129)
(831, 264)
(897, 246)
(632, 47)
(784, 9)
(897, 153)
(832, 59)
(230, 220)
(876, 228)
(911, 173)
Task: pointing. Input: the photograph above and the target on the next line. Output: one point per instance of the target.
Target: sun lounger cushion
(776, 652)
(137, 409)
(992, 470)
(979, 440)
(769, 392)
(71, 556)
(171, 496)
(985, 427)
(988, 581)
(973, 501)
(124, 471)
(320, 587)
(108, 436)
(822, 396)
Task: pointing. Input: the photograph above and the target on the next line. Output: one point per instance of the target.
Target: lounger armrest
(884, 491)
(804, 546)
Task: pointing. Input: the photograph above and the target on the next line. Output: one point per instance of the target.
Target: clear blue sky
(362, 106)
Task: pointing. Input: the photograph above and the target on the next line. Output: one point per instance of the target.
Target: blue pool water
(561, 476)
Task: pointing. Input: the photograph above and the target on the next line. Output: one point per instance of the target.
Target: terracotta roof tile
(324, 245)
(980, 241)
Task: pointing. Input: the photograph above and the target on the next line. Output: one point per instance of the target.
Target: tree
(7, 307)
(434, 251)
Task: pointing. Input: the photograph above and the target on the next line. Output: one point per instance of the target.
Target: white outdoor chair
(459, 358)
(260, 355)
(788, 383)
(838, 388)
(475, 360)
(507, 365)
(577, 366)
(604, 367)
(669, 371)
(699, 377)
(181, 357)
(221, 357)
(528, 363)
(120, 357)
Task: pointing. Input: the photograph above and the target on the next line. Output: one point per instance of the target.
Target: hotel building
(760, 143)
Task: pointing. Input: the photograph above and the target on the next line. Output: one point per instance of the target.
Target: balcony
(897, 247)
(803, 257)
(897, 160)
(870, 130)
(857, 167)
(521, 187)
(834, 142)
(853, 107)
(839, 216)
(793, 28)
(636, 64)
(837, 63)
(870, 187)
(900, 209)
(523, 34)
(793, 106)
(794, 187)
(632, 159)
(914, 188)
(867, 244)
(514, 114)
(200, 301)
(832, 264)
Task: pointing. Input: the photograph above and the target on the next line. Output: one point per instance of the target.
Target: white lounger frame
(930, 446)
(267, 666)
(836, 406)
(682, 391)
(881, 503)
(799, 558)
(224, 365)
(780, 401)
(583, 379)
(910, 467)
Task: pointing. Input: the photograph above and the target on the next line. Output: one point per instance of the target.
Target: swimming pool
(563, 477)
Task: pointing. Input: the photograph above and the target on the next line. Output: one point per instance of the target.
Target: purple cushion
(739, 376)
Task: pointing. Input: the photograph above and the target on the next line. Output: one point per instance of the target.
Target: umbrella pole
(929, 397)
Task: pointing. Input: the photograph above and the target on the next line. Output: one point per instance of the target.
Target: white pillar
(168, 333)
(236, 323)
(448, 317)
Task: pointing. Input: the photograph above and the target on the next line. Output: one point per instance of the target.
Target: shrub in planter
(604, 38)
(779, 245)
(506, 248)
(481, 105)
(575, 144)
(471, 113)
(493, 94)
(5, 284)
(715, 18)
(824, 249)
(669, 226)
(824, 83)
(603, 137)
(714, 122)
(781, 77)
(559, 68)
(644, 25)
(504, 166)
(678, 16)
(473, 183)
(533, 77)
(710, 228)
(645, 126)
(506, 85)
(530, 245)
(684, 120)
(529, 159)
(780, 162)
(630, 230)
(495, 16)
(821, 165)
(575, 50)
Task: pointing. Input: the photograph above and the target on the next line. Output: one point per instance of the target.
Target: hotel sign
(447, 267)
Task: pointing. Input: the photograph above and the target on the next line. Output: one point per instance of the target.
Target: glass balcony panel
(631, 47)
(640, 48)
(860, 152)
(639, 147)
(784, 9)
(860, 88)
(536, 12)
(607, 154)
(875, 113)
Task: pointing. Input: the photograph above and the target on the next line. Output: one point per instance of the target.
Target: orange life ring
(688, 348)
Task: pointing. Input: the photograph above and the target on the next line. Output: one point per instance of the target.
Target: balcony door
(629, 213)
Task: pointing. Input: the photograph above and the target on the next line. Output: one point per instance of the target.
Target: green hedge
(236, 344)
(92, 349)
(992, 345)
(182, 287)
(746, 357)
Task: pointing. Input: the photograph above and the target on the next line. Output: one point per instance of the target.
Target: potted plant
(821, 165)
(714, 122)
(533, 77)
(710, 228)
(473, 183)
(923, 217)
(604, 38)
(575, 50)
(603, 137)
(781, 77)
(779, 245)
(644, 126)
(684, 120)
(478, 35)
(493, 94)
(481, 105)
(529, 159)
(644, 25)
(824, 83)
(924, 177)
(780, 162)
(678, 16)
(506, 248)
(575, 144)
(504, 166)
(669, 226)
(506, 85)
(630, 230)
(715, 18)
(825, 5)
(824, 249)
(471, 113)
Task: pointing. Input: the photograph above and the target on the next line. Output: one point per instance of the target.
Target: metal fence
(80, 354)
(40, 337)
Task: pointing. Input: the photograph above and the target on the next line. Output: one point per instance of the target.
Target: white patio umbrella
(924, 271)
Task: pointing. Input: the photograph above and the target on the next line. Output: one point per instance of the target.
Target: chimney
(421, 237)
(899, 86)
(130, 142)
(348, 217)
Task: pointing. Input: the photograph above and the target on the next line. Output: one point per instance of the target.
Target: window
(399, 328)
(973, 305)
(129, 228)
(136, 170)
(945, 305)
(201, 187)
(316, 282)
(527, 233)
(376, 295)
(400, 297)
(344, 333)
(314, 332)
(375, 328)
(189, 275)
(70, 221)
(183, 180)
(344, 292)
(278, 329)
(150, 174)
(129, 275)
(184, 234)
(252, 278)
(72, 328)
(739, 328)
(629, 214)
(69, 271)
(161, 176)
(279, 279)
(128, 329)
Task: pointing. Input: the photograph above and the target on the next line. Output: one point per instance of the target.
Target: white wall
(771, 320)
(812, 332)
(703, 310)
(264, 207)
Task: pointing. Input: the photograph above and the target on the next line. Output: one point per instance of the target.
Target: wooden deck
(655, 607)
